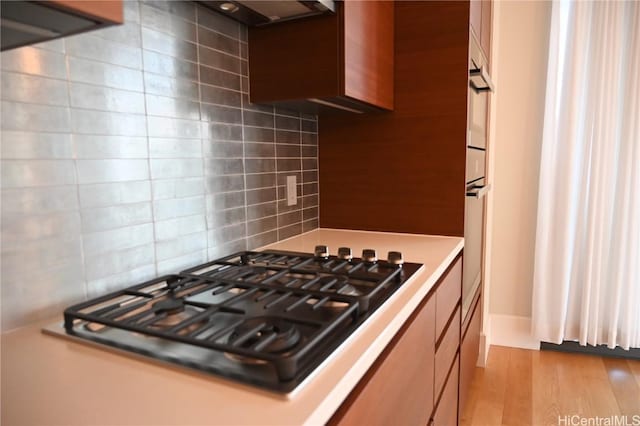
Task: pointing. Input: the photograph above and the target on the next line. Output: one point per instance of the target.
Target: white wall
(520, 44)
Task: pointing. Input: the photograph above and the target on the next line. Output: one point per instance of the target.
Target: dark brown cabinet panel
(448, 297)
(446, 352)
(398, 389)
(344, 59)
(29, 22)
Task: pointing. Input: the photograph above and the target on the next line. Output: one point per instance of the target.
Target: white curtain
(587, 258)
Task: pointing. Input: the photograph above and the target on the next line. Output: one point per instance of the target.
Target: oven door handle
(478, 191)
(481, 80)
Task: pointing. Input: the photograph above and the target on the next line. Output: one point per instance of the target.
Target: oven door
(473, 241)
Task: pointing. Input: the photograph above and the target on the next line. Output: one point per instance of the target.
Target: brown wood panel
(398, 388)
(295, 60)
(368, 51)
(446, 352)
(446, 414)
(485, 33)
(469, 349)
(448, 296)
(403, 171)
(101, 10)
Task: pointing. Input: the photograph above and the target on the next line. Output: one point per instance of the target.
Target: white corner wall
(519, 66)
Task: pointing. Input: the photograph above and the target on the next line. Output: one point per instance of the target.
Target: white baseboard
(513, 331)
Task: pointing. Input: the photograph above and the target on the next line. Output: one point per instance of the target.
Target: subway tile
(103, 147)
(310, 225)
(170, 266)
(131, 12)
(260, 165)
(105, 99)
(289, 218)
(259, 150)
(256, 241)
(258, 211)
(168, 86)
(310, 188)
(32, 60)
(89, 46)
(34, 89)
(19, 145)
(253, 107)
(289, 231)
(288, 164)
(244, 33)
(111, 217)
(29, 173)
(110, 194)
(288, 114)
(19, 227)
(169, 66)
(309, 139)
(99, 171)
(282, 178)
(175, 148)
(172, 107)
(220, 96)
(219, 78)
(244, 68)
(258, 196)
(244, 87)
(284, 136)
(173, 228)
(160, 20)
(244, 50)
(221, 114)
(184, 10)
(179, 246)
(287, 151)
(226, 233)
(309, 151)
(41, 254)
(117, 239)
(310, 176)
(283, 207)
(166, 127)
(178, 207)
(217, 22)
(287, 123)
(128, 33)
(224, 166)
(260, 180)
(227, 248)
(34, 117)
(105, 265)
(222, 132)
(175, 168)
(216, 59)
(309, 126)
(167, 45)
(103, 74)
(309, 201)
(258, 134)
(219, 149)
(218, 41)
(224, 183)
(108, 123)
(225, 200)
(56, 45)
(310, 213)
(260, 226)
(218, 218)
(115, 282)
(309, 163)
(258, 119)
(39, 200)
(177, 188)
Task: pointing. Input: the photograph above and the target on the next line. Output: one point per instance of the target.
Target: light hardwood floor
(523, 387)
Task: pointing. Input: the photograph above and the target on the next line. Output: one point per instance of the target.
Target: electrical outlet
(292, 191)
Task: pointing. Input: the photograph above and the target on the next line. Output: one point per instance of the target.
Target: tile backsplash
(133, 151)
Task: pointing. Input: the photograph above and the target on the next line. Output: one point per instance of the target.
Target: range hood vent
(263, 12)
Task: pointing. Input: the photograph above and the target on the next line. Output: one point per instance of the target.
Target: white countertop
(48, 380)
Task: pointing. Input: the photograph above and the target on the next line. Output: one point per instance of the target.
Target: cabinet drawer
(448, 295)
(469, 349)
(446, 414)
(446, 352)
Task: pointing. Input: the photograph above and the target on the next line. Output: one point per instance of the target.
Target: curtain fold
(587, 257)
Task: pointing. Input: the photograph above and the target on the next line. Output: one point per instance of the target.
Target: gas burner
(266, 334)
(169, 306)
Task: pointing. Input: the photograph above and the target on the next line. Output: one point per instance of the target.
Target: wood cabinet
(399, 386)
(27, 22)
(344, 60)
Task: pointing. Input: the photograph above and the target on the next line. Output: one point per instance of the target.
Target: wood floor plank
(634, 366)
(625, 387)
(518, 397)
(477, 384)
(490, 404)
(545, 390)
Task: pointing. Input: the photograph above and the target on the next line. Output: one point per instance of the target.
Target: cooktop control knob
(322, 252)
(369, 255)
(345, 253)
(395, 258)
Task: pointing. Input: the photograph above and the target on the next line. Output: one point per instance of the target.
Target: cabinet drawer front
(469, 349)
(446, 413)
(448, 294)
(446, 352)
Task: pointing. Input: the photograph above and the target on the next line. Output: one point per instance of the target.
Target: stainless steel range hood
(263, 12)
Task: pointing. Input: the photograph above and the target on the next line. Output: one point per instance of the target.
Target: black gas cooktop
(265, 318)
